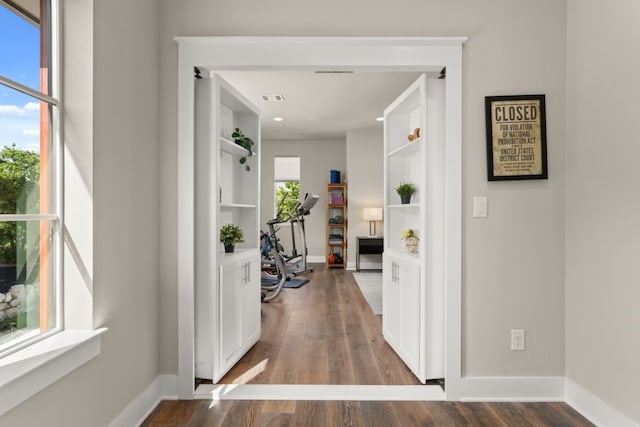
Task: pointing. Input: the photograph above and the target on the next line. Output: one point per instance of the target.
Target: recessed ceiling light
(379, 119)
(278, 119)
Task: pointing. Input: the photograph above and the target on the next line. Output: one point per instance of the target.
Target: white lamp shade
(372, 214)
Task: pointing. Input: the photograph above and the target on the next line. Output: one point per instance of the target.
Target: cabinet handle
(248, 272)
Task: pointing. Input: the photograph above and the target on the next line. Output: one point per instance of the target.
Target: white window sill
(26, 372)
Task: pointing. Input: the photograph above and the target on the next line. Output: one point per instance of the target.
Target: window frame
(50, 106)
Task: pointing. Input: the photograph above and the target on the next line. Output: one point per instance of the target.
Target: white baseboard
(593, 408)
(512, 389)
(316, 259)
(486, 389)
(164, 387)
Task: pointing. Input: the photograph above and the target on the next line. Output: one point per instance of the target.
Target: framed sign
(516, 137)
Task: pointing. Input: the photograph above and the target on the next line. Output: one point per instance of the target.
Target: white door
(413, 276)
(227, 191)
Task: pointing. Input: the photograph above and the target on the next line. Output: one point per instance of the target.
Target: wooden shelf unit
(333, 212)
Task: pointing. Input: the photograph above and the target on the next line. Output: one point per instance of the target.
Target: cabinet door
(409, 284)
(231, 301)
(391, 300)
(401, 310)
(251, 302)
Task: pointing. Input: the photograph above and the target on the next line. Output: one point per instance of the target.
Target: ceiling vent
(273, 98)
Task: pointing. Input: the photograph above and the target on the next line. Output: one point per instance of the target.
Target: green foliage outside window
(290, 191)
(19, 193)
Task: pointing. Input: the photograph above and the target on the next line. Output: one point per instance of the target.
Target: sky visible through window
(19, 61)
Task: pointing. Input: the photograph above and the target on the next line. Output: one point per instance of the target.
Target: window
(286, 179)
(29, 175)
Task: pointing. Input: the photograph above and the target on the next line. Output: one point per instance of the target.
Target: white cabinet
(401, 308)
(227, 286)
(413, 282)
(240, 313)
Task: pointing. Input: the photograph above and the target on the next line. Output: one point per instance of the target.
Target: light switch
(479, 207)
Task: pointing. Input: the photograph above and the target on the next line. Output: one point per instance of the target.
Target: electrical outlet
(517, 340)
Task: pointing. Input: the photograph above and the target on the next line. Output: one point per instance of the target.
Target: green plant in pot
(230, 235)
(246, 143)
(405, 190)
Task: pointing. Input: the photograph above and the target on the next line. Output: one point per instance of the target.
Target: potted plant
(246, 143)
(405, 190)
(411, 239)
(230, 235)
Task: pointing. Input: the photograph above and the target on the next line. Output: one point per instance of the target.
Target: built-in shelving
(227, 285)
(413, 313)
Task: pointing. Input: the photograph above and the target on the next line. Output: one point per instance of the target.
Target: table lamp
(372, 215)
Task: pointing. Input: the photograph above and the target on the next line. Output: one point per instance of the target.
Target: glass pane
(21, 58)
(287, 198)
(24, 154)
(27, 302)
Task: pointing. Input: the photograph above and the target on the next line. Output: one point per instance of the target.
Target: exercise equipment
(276, 272)
(297, 262)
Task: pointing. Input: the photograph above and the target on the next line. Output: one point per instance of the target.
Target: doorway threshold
(319, 392)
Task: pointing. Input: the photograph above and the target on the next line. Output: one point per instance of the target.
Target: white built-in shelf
(405, 206)
(228, 146)
(409, 148)
(236, 205)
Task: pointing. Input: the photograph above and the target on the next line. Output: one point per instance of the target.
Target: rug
(370, 285)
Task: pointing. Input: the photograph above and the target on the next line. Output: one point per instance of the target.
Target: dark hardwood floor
(326, 333)
(366, 414)
(321, 333)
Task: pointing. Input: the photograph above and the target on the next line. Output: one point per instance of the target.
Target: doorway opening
(415, 55)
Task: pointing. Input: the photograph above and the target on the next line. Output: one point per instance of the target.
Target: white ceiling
(319, 106)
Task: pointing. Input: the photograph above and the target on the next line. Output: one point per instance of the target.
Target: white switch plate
(479, 207)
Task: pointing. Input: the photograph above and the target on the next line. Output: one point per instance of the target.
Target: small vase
(229, 249)
(412, 245)
(405, 199)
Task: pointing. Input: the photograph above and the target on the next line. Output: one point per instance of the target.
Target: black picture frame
(516, 137)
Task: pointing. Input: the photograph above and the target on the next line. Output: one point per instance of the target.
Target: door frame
(419, 54)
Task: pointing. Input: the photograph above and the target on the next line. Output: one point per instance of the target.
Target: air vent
(273, 98)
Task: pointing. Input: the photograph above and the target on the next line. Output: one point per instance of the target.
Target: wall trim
(318, 53)
(163, 387)
(486, 389)
(512, 389)
(593, 408)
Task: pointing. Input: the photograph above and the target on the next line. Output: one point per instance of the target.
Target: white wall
(317, 158)
(114, 46)
(603, 231)
(513, 261)
(365, 152)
